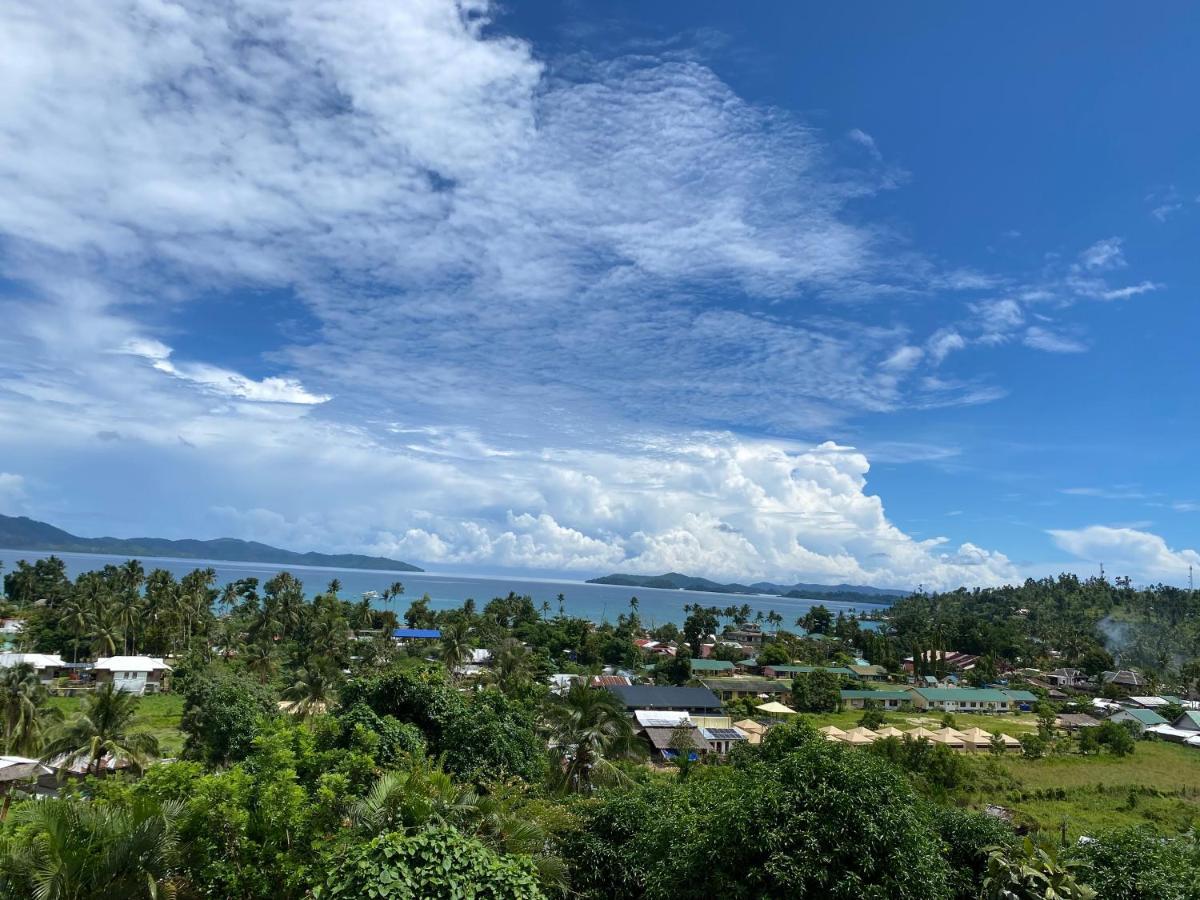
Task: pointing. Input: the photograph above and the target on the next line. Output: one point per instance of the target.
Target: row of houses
(132, 674)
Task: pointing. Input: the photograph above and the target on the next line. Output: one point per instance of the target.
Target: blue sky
(888, 293)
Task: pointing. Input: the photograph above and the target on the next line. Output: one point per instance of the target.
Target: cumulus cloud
(1128, 551)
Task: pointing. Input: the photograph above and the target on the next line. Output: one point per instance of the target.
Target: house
(866, 672)
(886, 699)
(1072, 722)
(664, 742)
(1143, 718)
(978, 700)
(711, 667)
(1189, 721)
(789, 671)
(132, 674)
(721, 740)
(1020, 700)
(45, 665)
(1067, 678)
(10, 630)
(737, 687)
(416, 634)
(560, 682)
(748, 635)
(698, 700)
(1149, 702)
(610, 680)
(1126, 678)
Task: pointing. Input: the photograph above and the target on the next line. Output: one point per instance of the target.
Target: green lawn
(157, 713)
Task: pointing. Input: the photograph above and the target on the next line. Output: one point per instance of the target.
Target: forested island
(305, 747)
(845, 593)
(21, 533)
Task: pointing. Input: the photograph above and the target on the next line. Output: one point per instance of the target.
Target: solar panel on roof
(723, 734)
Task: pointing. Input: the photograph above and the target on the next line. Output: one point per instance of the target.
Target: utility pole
(1101, 571)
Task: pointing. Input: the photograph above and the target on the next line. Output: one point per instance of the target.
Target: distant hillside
(859, 593)
(21, 533)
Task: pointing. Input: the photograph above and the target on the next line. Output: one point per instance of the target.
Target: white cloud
(1128, 551)
(1040, 338)
(271, 389)
(1131, 291)
(943, 343)
(1104, 254)
(903, 359)
(863, 139)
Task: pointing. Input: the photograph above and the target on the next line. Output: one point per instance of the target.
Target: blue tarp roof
(417, 633)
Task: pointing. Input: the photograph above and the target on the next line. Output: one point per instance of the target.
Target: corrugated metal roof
(961, 695)
(650, 696)
(427, 633)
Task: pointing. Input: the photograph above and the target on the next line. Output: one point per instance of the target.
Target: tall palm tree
(24, 710)
(75, 620)
(71, 848)
(513, 665)
(588, 728)
(104, 728)
(105, 630)
(456, 645)
(313, 690)
(260, 659)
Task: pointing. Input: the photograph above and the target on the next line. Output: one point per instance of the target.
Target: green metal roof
(1021, 696)
(1145, 716)
(1192, 716)
(804, 670)
(711, 665)
(959, 695)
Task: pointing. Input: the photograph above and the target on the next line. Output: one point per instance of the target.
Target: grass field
(1159, 785)
(157, 713)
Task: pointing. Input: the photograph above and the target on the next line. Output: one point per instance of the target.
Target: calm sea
(598, 602)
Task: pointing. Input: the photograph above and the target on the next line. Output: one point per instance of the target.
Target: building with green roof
(976, 700)
(857, 699)
(715, 666)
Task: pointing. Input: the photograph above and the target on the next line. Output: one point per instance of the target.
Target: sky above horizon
(879, 293)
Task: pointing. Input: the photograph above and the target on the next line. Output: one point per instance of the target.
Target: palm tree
(260, 659)
(75, 620)
(312, 692)
(71, 848)
(587, 728)
(103, 729)
(513, 663)
(421, 796)
(392, 591)
(456, 645)
(105, 630)
(24, 710)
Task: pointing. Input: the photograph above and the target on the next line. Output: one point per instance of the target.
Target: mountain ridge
(24, 533)
(800, 590)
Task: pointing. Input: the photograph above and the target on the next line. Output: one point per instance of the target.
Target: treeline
(1091, 624)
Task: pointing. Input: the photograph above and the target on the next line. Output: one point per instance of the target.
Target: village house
(892, 700)
(712, 667)
(1142, 718)
(1124, 678)
(695, 700)
(1070, 678)
(949, 660)
(977, 700)
(46, 665)
(735, 688)
(132, 674)
(789, 671)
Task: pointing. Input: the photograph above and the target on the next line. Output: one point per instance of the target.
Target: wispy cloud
(1040, 338)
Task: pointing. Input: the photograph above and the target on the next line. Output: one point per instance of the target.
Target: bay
(597, 602)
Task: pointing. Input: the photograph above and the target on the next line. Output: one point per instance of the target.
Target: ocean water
(597, 602)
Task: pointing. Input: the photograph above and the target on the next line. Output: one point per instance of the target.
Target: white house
(133, 674)
(46, 665)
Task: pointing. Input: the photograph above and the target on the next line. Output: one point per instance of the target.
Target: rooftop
(651, 696)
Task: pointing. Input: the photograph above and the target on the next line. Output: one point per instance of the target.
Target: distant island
(22, 533)
(848, 593)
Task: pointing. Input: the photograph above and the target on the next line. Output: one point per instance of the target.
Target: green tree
(456, 646)
(1033, 871)
(69, 849)
(23, 705)
(104, 728)
(872, 716)
(440, 863)
(222, 712)
(588, 729)
(313, 689)
(773, 653)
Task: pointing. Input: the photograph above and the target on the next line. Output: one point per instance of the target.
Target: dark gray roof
(651, 696)
(661, 738)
